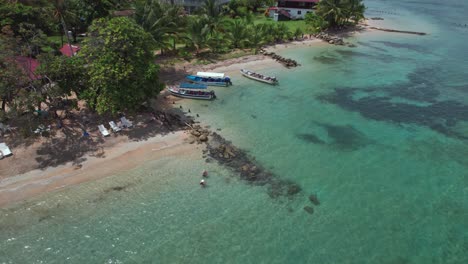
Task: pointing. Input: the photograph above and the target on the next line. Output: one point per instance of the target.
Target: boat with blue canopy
(210, 81)
(192, 86)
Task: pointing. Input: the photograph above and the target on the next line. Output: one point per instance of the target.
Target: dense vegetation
(115, 69)
(336, 14)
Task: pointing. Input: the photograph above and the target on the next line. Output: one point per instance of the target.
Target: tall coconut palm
(60, 12)
(237, 32)
(332, 11)
(197, 33)
(161, 21)
(355, 10)
(257, 36)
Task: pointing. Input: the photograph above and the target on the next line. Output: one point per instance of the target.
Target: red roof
(29, 65)
(65, 50)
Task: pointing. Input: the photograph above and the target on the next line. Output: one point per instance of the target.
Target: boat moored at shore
(259, 77)
(210, 81)
(192, 86)
(192, 94)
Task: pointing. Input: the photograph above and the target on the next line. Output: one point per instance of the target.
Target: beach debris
(286, 62)
(314, 199)
(309, 209)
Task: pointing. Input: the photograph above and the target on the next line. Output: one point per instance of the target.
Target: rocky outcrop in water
(330, 38)
(247, 168)
(286, 62)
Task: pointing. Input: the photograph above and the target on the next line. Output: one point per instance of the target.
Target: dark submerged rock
(314, 199)
(309, 209)
(248, 170)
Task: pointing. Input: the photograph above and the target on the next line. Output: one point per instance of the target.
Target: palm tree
(237, 32)
(196, 34)
(333, 11)
(355, 10)
(61, 11)
(281, 32)
(161, 21)
(257, 36)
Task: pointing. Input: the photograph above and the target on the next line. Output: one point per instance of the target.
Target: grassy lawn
(57, 40)
(292, 25)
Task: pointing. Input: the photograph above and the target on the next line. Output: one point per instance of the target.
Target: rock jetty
(286, 62)
(248, 169)
(330, 38)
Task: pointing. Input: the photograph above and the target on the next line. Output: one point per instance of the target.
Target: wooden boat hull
(192, 95)
(246, 74)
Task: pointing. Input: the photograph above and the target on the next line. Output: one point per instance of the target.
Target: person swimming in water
(205, 173)
(202, 183)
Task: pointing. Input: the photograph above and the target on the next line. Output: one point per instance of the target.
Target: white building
(292, 9)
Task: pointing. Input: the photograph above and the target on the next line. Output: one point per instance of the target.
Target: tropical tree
(120, 67)
(257, 36)
(355, 10)
(163, 22)
(197, 33)
(237, 33)
(67, 74)
(316, 23)
(338, 12)
(332, 11)
(281, 32)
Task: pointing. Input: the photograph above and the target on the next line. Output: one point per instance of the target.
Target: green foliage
(120, 66)
(164, 22)
(316, 23)
(197, 33)
(13, 13)
(237, 33)
(68, 74)
(338, 13)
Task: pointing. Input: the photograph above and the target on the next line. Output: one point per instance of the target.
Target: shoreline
(118, 158)
(121, 153)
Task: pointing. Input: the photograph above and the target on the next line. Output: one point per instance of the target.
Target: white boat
(4, 151)
(192, 94)
(259, 77)
(210, 74)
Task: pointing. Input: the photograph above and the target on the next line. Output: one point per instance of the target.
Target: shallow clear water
(378, 132)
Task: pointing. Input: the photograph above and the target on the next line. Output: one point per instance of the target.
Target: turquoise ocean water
(379, 132)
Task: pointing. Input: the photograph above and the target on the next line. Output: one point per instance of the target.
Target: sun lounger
(4, 151)
(126, 122)
(114, 127)
(103, 130)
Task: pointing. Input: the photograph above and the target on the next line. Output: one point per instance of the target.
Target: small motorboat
(192, 94)
(259, 77)
(192, 86)
(211, 74)
(210, 81)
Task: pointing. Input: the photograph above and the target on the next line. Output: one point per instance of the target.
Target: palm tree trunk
(62, 21)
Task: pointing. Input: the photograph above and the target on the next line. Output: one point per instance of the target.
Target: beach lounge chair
(114, 127)
(4, 151)
(103, 130)
(126, 122)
